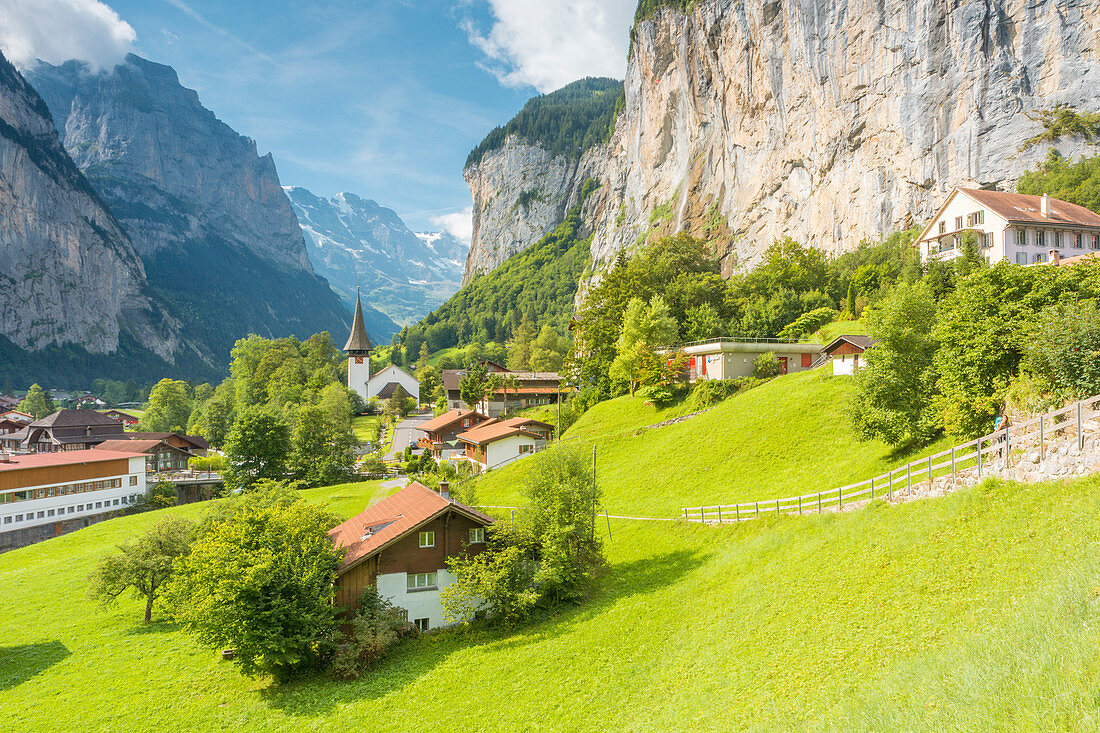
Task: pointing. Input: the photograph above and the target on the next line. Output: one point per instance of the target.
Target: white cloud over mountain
(549, 43)
(459, 224)
(59, 30)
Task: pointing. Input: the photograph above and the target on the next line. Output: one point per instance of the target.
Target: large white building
(360, 380)
(733, 358)
(1009, 226)
(54, 488)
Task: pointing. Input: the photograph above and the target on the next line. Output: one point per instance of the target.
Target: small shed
(845, 352)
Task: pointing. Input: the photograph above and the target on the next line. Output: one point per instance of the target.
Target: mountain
(75, 289)
(828, 121)
(353, 241)
(221, 247)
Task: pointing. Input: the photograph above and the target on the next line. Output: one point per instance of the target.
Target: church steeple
(358, 342)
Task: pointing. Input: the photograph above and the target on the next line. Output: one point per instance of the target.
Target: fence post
(777, 507)
(1008, 449)
(1080, 429)
(872, 488)
(840, 498)
(819, 502)
(737, 512)
(800, 506)
(979, 458)
(1042, 437)
(890, 486)
(929, 471)
(909, 479)
(952, 466)
(702, 516)
(758, 510)
(719, 514)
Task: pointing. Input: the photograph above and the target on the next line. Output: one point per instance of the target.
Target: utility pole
(593, 533)
(558, 400)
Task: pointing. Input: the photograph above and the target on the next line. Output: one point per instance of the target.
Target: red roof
(450, 418)
(64, 458)
(391, 519)
(496, 430)
(1018, 207)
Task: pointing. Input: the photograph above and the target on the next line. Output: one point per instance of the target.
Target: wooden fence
(989, 451)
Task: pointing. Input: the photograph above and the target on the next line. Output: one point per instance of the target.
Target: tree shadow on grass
(19, 663)
(411, 660)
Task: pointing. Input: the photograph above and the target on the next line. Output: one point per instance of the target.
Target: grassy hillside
(977, 611)
(787, 437)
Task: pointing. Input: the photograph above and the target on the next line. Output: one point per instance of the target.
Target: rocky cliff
(829, 121)
(354, 241)
(71, 277)
(220, 242)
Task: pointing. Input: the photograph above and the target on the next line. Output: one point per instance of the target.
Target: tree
(471, 389)
(808, 323)
(322, 448)
(703, 322)
(37, 402)
(260, 580)
(644, 329)
(850, 301)
(168, 409)
(430, 383)
(374, 627)
(548, 351)
(519, 355)
(425, 354)
(765, 366)
(257, 448)
(400, 403)
(1064, 350)
(143, 565)
(895, 387)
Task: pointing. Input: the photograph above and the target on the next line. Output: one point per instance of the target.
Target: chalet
(194, 445)
(17, 416)
(845, 352)
(732, 358)
(88, 401)
(401, 545)
(64, 430)
(386, 381)
(441, 433)
(55, 488)
(160, 457)
(1009, 227)
(128, 419)
(526, 389)
(7, 402)
(7, 427)
(495, 442)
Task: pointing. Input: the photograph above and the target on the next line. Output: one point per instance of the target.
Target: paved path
(407, 432)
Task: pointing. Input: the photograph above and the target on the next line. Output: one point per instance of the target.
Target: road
(407, 431)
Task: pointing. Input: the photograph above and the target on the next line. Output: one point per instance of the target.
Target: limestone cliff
(71, 277)
(829, 121)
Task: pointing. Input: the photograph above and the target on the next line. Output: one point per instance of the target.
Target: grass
(978, 611)
(789, 436)
(366, 427)
(830, 331)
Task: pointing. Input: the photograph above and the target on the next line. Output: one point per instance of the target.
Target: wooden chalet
(441, 433)
(845, 352)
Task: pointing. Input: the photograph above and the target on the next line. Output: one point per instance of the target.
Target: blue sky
(382, 98)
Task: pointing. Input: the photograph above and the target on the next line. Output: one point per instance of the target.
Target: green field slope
(979, 611)
(787, 437)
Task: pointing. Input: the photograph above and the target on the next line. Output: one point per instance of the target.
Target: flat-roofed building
(54, 488)
(730, 358)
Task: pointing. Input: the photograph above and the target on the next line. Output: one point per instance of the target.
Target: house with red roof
(496, 443)
(1010, 226)
(401, 545)
(441, 433)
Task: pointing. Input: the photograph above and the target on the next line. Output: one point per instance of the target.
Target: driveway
(407, 431)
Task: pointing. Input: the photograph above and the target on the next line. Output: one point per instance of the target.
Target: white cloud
(59, 30)
(549, 43)
(460, 223)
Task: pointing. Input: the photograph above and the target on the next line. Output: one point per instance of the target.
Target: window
(80, 507)
(1096, 241)
(19, 517)
(1021, 258)
(978, 217)
(466, 423)
(99, 505)
(1041, 240)
(958, 223)
(41, 515)
(50, 513)
(477, 536)
(421, 624)
(115, 503)
(1057, 239)
(427, 539)
(133, 480)
(1040, 257)
(7, 520)
(943, 227)
(72, 509)
(420, 581)
(526, 448)
(116, 483)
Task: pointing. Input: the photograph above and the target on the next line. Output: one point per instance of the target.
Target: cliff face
(355, 241)
(70, 275)
(221, 245)
(829, 121)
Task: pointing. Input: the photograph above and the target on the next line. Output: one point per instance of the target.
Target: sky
(382, 98)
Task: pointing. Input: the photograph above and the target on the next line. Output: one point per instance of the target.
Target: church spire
(358, 340)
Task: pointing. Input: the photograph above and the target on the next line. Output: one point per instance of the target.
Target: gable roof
(494, 430)
(74, 419)
(1022, 208)
(863, 342)
(358, 339)
(130, 446)
(389, 520)
(195, 440)
(449, 418)
(64, 458)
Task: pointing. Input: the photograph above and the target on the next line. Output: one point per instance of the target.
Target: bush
(808, 323)
(374, 627)
(213, 462)
(664, 395)
(766, 365)
(709, 392)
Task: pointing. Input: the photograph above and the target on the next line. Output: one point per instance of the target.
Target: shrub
(808, 323)
(766, 365)
(664, 395)
(374, 627)
(213, 462)
(709, 392)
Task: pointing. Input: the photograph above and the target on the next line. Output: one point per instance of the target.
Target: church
(383, 384)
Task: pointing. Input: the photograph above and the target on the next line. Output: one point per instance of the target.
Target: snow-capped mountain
(354, 240)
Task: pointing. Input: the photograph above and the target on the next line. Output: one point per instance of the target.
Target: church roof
(358, 340)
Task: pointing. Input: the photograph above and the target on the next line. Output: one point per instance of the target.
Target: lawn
(365, 428)
(789, 436)
(830, 331)
(978, 611)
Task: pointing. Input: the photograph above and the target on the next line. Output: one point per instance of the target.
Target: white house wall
(422, 603)
(65, 507)
(393, 374)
